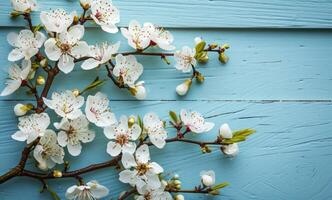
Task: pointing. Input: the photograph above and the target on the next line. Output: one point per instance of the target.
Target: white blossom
(225, 131)
(65, 104)
(105, 14)
(127, 69)
(48, 151)
(122, 137)
(185, 59)
(157, 194)
(67, 47)
(24, 5)
(26, 44)
(159, 36)
(230, 149)
(139, 90)
(154, 127)
(57, 20)
(16, 75)
(139, 171)
(31, 126)
(98, 112)
(73, 132)
(100, 54)
(92, 190)
(208, 178)
(184, 87)
(138, 36)
(195, 122)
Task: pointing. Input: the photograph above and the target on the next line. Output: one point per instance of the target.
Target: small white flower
(160, 37)
(105, 14)
(208, 178)
(24, 5)
(147, 193)
(26, 44)
(139, 90)
(98, 112)
(57, 20)
(225, 131)
(138, 36)
(65, 104)
(100, 54)
(154, 127)
(139, 171)
(230, 150)
(67, 47)
(31, 126)
(183, 88)
(20, 109)
(48, 151)
(90, 191)
(127, 69)
(16, 76)
(122, 137)
(195, 122)
(73, 132)
(185, 59)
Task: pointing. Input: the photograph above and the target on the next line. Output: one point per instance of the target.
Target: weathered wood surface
(278, 81)
(209, 13)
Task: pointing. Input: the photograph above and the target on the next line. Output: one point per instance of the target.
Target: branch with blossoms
(130, 138)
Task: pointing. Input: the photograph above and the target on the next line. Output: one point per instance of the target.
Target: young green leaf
(173, 116)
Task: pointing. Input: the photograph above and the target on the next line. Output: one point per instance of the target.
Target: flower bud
(230, 150)
(76, 19)
(208, 178)
(198, 40)
(184, 87)
(131, 121)
(199, 77)
(225, 131)
(179, 197)
(225, 46)
(21, 109)
(138, 91)
(213, 46)
(176, 176)
(223, 58)
(43, 62)
(85, 4)
(57, 174)
(40, 80)
(42, 166)
(76, 92)
(164, 183)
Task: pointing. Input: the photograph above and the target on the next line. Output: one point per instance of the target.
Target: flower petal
(128, 160)
(113, 148)
(66, 63)
(52, 51)
(12, 39)
(19, 136)
(15, 55)
(75, 149)
(90, 64)
(142, 154)
(62, 138)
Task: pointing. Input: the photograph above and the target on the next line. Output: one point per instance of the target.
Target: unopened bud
(40, 80)
(76, 92)
(76, 19)
(213, 46)
(131, 121)
(199, 77)
(44, 62)
(57, 174)
(179, 197)
(184, 87)
(223, 58)
(21, 109)
(176, 176)
(42, 166)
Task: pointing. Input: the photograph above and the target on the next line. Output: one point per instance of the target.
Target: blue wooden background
(278, 81)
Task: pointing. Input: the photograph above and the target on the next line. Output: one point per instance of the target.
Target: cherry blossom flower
(98, 112)
(158, 194)
(160, 37)
(154, 127)
(92, 190)
(100, 54)
(185, 59)
(26, 44)
(73, 132)
(138, 36)
(122, 137)
(16, 76)
(208, 178)
(127, 69)
(65, 104)
(195, 122)
(105, 14)
(48, 151)
(31, 126)
(139, 90)
(24, 5)
(139, 171)
(67, 47)
(57, 20)
(230, 150)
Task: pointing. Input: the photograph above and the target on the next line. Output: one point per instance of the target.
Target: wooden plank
(292, 147)
(264, 65)
(208, 13)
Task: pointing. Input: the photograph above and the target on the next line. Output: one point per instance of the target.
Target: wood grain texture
(264, 65)
(208, 13)
(292, 147)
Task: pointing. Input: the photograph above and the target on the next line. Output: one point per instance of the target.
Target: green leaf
(53, 194)
(220, 186)
(37, 28)
(93, 85)
(200, 47)
(244, 132)
(173, 116)
(234, 140)
(139, 121)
